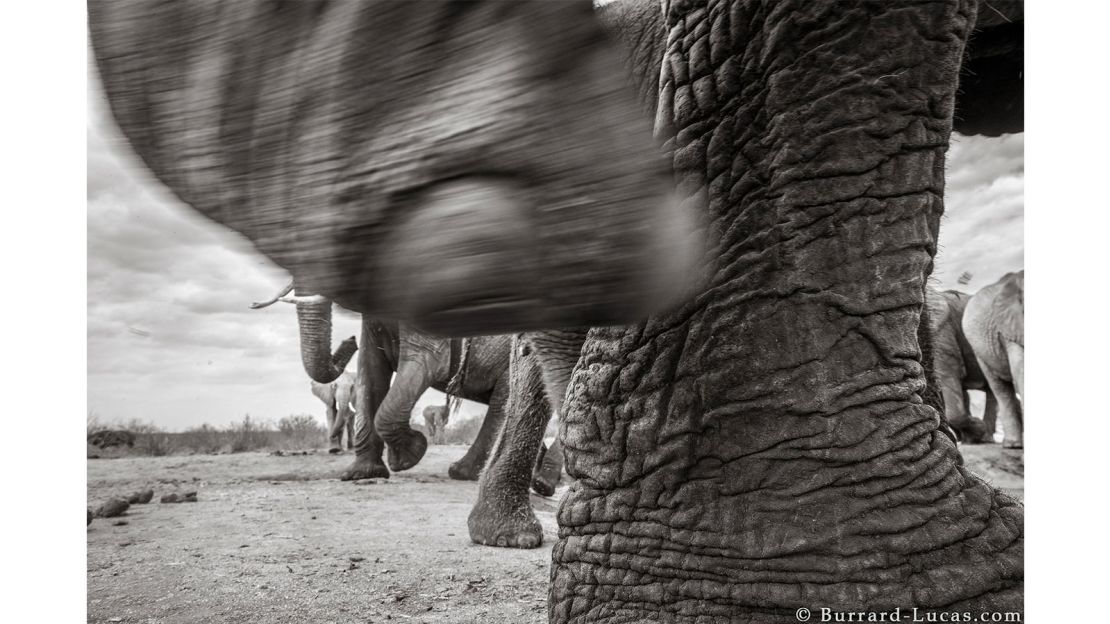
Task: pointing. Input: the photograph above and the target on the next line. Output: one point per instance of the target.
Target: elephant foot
(405, 450)
(545, 480)
(1012, 443)
(970, 431)
(504, 524)
(548, 471)
(466, 469)
(365, 468)
(335, 450)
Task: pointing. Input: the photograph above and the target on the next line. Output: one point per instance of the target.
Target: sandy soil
(279, 539)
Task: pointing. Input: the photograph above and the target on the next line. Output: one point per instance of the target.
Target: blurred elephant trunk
(323, 366)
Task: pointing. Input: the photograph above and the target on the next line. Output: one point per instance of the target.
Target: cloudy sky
(172, 341)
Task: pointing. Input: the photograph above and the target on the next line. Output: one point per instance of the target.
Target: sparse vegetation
(295, 432)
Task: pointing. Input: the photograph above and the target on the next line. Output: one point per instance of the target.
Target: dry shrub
(301, 431)
(150, 439)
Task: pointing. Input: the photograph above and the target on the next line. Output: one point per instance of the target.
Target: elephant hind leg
(503, 514)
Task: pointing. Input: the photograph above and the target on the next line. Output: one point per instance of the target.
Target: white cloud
(983, 229)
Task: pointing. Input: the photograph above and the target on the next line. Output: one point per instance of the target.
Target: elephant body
(994, 323)
(955, 367)
(435, 422)
(339, 398)
(758, 445)
(422, 361)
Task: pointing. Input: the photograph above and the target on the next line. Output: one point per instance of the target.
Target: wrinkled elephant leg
(503, 515)
(735, 456)
(469, 467)
(372, 383)
(335, 444)
(990, 417)
(1015, 354)
(549, 469)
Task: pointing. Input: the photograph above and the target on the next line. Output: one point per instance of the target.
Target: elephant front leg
(990, 417)
(335, 442)
(503, 514)
(371, 386)
(350, 426)
(1009, 409)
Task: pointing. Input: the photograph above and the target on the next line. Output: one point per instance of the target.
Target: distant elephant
(111, 437)
(994, 323)
(757, 445)
(435, 422)
(476, 369)
(956, 369)
(396, 366)
(339, 397)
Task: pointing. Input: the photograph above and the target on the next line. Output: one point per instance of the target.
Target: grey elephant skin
(763, 444)
(421, 361)
(477, 369)
(339, 398)
(994, 323)
(956, 369)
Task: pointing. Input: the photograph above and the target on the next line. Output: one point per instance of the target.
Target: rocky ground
(279, 539)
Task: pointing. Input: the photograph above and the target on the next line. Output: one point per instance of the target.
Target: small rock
(113, 508)
(115, 619)
(145, 496)
(356, 559)
(120, 523)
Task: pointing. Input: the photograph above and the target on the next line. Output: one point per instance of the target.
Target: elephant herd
(979, 344)
(502, 372)
(740, 199)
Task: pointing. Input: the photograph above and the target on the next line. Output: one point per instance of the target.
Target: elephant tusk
(257, 305)
(285, 297)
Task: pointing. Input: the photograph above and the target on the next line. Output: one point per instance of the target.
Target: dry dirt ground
(279, 539)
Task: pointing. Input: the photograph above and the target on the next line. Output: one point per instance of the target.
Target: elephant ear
(1009, 308)
(991, 98)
